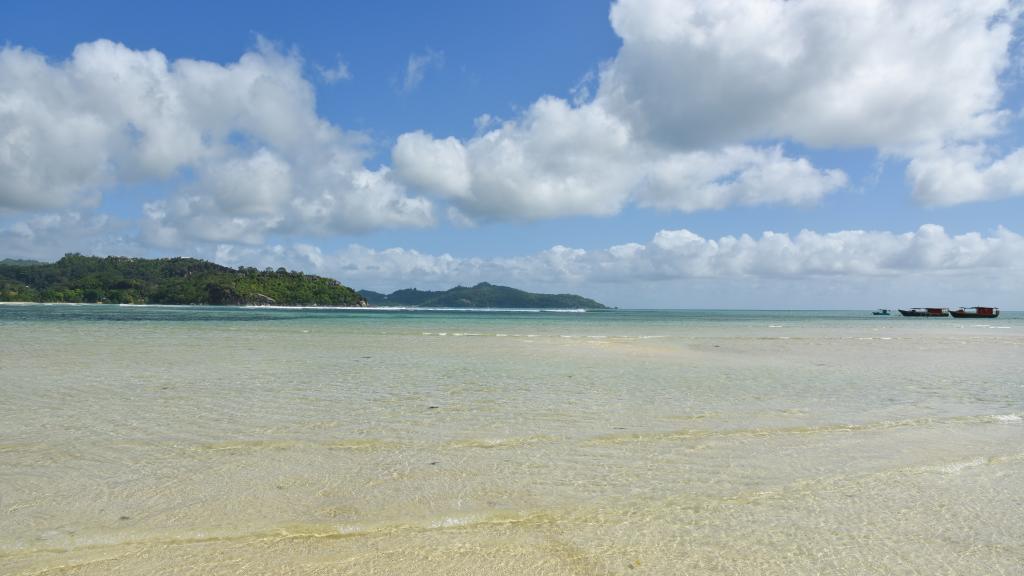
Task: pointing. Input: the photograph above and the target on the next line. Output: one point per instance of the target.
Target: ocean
(207, 441)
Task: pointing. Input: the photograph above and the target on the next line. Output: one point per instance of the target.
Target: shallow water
(157, 440)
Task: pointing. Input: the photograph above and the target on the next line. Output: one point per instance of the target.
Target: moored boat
(881, 312)
(925, 312)
(975, 312)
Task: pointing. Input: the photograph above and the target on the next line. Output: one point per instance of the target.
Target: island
(483, 295)
(122, 280)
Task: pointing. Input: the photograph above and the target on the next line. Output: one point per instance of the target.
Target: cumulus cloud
(671, 256)
(887, 74)
(675, 114)
(673, 268)
(258, 157)
(560, 160)
(966, 174)
(48, 236)
(735, 175)
(674, 254)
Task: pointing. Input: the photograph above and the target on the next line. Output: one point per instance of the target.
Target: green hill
(16, 262)
(483, 295)
(114, 279)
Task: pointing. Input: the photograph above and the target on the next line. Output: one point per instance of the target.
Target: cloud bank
(812, 264)
(696, 82)
(682, 254)
(696, 111)
(243, 139)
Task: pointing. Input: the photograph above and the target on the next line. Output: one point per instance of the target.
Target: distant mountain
(17, 262)
(77, 278)
(371, 297)
(483, 295)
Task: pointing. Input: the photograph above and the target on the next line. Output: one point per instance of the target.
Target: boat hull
(956, 314)
(925, 313)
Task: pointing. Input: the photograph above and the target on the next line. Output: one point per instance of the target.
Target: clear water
(177, 440)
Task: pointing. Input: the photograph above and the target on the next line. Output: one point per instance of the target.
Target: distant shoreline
(304, 307)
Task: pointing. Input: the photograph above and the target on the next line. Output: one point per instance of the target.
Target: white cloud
(735, 175)
(689, 115)
(417, 66)
(50, 235)
(966, 174)
(433, 164)
(336, 74)
(677, 254)
(560, 160)
(263, 160)
(675, 113)
(673, 268)
(834, 258)
(887, 74)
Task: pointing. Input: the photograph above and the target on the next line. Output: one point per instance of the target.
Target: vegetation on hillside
(483, 295)
(120, 280)
(17, 262)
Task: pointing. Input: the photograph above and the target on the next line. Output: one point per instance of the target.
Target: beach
(205, 440)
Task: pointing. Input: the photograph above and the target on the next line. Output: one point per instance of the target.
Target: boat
(881, 312)
(975, 312)
(925, 312)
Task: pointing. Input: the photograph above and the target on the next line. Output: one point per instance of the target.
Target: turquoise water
(195, 440)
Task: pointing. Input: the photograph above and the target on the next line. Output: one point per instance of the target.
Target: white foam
(1007, 418)
(452, 521)
(957, 467)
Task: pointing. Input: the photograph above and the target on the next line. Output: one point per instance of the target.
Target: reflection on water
(137, 440)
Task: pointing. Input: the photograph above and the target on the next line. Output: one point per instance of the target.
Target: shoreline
(306, 307)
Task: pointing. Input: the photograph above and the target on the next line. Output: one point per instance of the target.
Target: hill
(483, 295)
(16, 262)
(119, 280)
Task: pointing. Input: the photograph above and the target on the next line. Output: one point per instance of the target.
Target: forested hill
(119, 280)
(483, 295)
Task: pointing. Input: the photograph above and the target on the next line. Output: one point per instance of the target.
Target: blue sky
(645, 152)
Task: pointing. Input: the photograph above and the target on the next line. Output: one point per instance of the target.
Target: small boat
(925, 312)
(881, 312)
(975, 312)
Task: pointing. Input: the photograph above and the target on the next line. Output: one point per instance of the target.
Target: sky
(645, 153)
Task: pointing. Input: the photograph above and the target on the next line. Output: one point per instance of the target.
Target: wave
(290, 531)
(955, 467)
(282, 444)
(686, 434)
(1006, 418)
(500, 442)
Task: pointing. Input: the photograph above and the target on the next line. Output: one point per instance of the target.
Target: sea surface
(209, 441)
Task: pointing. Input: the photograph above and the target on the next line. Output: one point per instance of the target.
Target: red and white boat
(975, 312)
